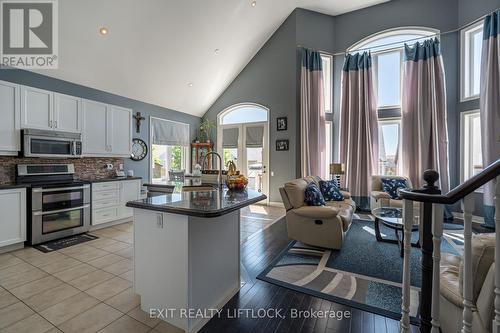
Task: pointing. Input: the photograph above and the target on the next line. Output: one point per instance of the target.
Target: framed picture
(281, 124)
(282, 145)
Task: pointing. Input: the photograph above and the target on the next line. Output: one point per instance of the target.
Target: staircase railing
(431, 223)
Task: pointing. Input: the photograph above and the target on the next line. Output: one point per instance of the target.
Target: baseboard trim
(475, 219)
(111, 223)
(276, 204)
(11, 247)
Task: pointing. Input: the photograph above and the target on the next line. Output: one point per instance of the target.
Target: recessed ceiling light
(103, 31)
(216, 51)
(254, 3)
(190, 84)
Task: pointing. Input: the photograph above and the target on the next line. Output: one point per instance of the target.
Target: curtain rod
(418, 38)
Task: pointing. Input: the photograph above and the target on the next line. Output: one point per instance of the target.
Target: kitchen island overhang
(187, 252)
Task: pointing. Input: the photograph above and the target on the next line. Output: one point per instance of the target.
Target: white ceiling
(155, 48)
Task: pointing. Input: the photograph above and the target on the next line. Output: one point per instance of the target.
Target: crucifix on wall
(138, 118)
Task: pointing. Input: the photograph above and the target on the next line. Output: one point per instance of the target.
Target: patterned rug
(364, 274)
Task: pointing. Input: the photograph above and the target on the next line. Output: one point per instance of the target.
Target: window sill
(468, 99)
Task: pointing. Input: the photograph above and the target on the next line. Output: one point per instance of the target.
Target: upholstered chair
(379, 198)
(451, 287)
(322, 226)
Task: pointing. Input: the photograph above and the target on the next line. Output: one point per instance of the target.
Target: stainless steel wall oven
(58, 205)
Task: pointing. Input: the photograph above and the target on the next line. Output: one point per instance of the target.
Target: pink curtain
(312, 115)
(359, 127)
(423, 125)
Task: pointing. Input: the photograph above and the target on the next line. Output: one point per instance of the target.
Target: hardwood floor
(256, 254)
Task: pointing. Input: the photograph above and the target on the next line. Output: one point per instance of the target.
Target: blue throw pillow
(330, 190)
(314, 196)
(391, 186)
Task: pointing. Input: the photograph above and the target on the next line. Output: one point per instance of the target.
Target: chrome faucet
(219, 176)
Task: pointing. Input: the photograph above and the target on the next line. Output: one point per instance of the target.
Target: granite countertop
(107, 179)
(8, 186)
(211, 203)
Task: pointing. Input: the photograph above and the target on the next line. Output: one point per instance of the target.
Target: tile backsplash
(85, 168)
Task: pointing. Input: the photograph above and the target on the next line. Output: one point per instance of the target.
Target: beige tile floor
(87, 287)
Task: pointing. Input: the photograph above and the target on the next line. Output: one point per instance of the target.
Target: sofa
(451, 286)
(379, 198)
(321, 226)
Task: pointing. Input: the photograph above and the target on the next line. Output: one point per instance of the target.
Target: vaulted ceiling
(179, 54)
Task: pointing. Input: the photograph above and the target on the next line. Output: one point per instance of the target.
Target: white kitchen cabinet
(36, 108)
(129, 190)
(10, 137)
(13, 221)
(67, 115)
(121, 130)
(107, 130)
(47, 110)
(95, 128)
(109, 200)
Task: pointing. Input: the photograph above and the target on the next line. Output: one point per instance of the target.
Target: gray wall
(336, 34)
(140, 168)
(269, 79)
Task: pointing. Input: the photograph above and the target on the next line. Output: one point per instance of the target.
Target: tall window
(387, 49)
(471, 42)
(472, 162)
(169, 148)
(389, 147)
(327, 60)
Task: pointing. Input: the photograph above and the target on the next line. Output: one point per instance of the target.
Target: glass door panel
(61, 221)
(62, 199)
(254, 168)
(230, 145)
(230, 154)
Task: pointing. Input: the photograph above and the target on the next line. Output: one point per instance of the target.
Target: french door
(247, 145)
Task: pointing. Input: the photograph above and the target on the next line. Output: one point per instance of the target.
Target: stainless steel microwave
(51, 144)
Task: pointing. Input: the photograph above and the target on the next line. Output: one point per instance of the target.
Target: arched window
(386, 48)
(243, 113)
(243, 138)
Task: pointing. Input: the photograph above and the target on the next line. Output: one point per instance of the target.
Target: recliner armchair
(379, 198)
(451, 286)
(322, 226)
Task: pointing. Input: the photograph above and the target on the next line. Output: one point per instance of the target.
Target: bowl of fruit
(236, 183)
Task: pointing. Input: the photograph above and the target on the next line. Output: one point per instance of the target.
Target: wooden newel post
(430, 178)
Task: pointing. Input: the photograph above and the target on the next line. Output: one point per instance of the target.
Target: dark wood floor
(256, 255)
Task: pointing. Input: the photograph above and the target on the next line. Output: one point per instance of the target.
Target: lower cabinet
(13, 221)
(109, 200)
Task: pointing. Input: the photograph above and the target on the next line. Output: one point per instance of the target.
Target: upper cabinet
(36, 108)
(10, 137)
(67, 113)
(107, 130)
(95, 128)
(42, 109)
(121, 133)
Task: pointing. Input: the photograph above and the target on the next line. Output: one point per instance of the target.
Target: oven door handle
(60, 210)
(38, 190)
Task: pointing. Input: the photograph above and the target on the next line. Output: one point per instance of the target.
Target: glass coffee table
(392, 218)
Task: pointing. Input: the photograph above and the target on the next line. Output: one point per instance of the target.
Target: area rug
(364, 274)
(64, 242)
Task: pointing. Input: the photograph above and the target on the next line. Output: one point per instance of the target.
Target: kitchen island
(187, 252)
